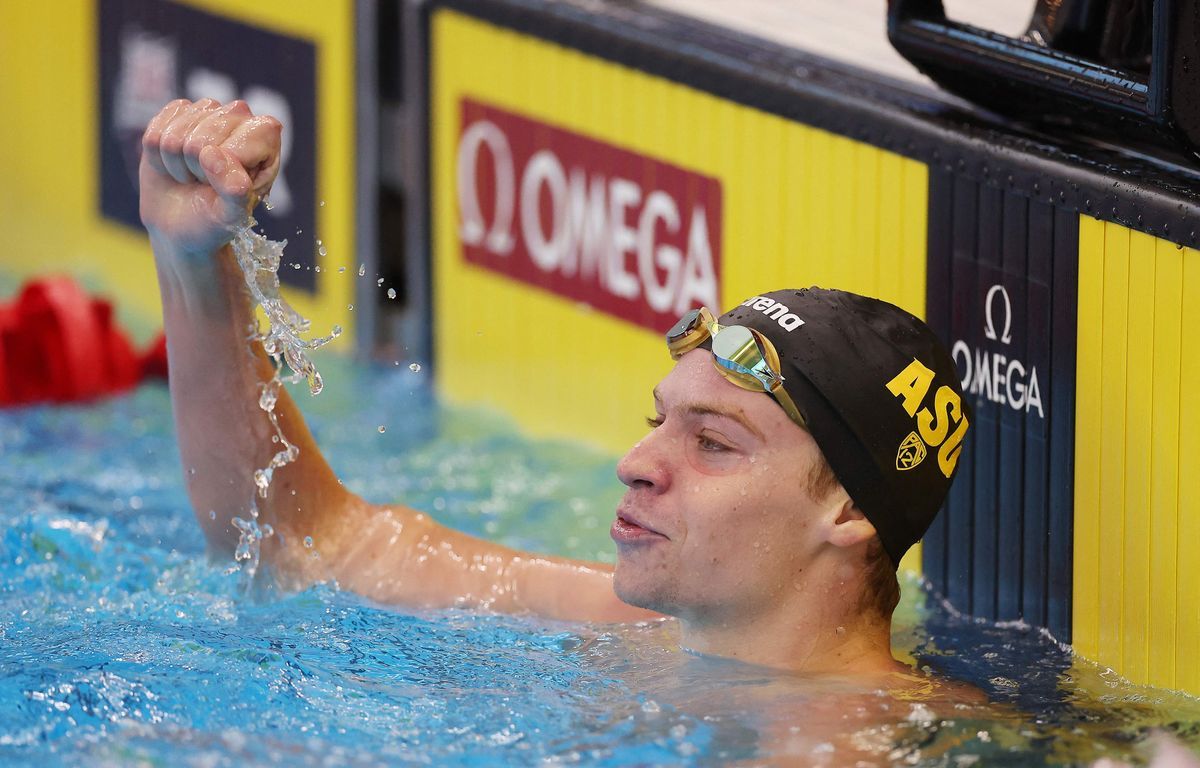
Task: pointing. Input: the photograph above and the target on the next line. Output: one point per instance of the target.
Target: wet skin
(718, 528)
(715, 521)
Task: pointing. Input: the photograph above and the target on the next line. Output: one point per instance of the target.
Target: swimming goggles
(742, 355)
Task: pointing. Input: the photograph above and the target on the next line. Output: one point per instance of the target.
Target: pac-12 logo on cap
(911, 452)
(933, 425)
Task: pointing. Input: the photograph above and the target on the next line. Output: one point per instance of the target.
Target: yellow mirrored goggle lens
(742, 355)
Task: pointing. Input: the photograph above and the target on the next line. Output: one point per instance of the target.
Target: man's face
(717, 523)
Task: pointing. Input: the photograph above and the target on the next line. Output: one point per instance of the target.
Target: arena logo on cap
(628, 234)
(914, 385)
(776, 311)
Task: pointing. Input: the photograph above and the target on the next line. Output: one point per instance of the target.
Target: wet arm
(398, 556)
(202, 168)
(216, 377)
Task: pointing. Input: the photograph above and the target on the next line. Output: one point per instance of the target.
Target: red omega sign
(632, 236)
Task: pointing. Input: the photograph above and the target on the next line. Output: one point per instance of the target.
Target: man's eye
(654, 421)
(708, 444)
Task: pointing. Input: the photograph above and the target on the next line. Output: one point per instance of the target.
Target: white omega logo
(989, 327)
(993, 375)
(474, 230)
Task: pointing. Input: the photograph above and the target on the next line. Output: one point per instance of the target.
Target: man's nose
(647, 463)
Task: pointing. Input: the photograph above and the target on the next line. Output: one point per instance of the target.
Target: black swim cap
(881, 397)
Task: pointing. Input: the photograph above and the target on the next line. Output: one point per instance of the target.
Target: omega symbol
(989, 327)
(498, 237)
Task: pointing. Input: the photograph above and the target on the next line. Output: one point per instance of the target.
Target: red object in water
(153, 362)
(5, 322)
(60, 345)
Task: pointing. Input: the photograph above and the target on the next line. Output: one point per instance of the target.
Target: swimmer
(801, 444)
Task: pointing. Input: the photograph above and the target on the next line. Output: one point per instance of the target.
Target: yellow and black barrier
(593, 170)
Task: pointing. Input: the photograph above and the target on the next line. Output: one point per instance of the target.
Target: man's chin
(641, 595)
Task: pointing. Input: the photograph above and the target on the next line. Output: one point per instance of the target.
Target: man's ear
(851, 527)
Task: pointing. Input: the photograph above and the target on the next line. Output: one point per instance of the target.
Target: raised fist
(204, 167)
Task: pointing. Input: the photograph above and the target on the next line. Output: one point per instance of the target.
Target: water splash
(282, 339)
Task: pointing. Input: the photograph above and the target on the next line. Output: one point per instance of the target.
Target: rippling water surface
(120, 643)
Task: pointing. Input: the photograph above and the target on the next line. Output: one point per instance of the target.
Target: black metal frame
(1030, 81)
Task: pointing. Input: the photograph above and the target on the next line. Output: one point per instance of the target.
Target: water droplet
(840, 631)
(266, 203)
(350, 307)
(391, 293)
(299, 231)
(362, 269)
(296, 266)
(322, 203)
(308, 542)
(415, 367)
(382, 429)
(212, 514)
(379, 282)
(191, 470)
(317, 269)
(341, 270)
(336, 331)
(323, 251)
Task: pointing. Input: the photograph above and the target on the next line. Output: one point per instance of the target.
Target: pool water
(121, 643)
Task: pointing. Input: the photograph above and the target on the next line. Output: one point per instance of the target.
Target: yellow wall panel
(1114, 320)
(1085, 630)
(1164, 461)
(911, 234)
(886, 183)
(1139, 407)
(817, 198)
(1187, 634)
(1137, 585)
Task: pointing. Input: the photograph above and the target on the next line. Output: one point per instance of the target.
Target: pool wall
(1063, 276)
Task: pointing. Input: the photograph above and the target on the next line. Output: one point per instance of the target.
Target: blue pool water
(120, 643)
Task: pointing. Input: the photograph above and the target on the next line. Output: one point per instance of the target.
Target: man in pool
(801, 444)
